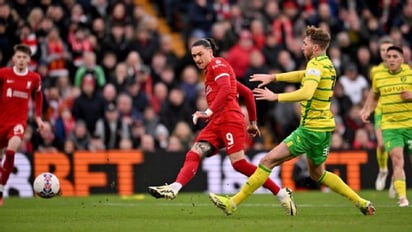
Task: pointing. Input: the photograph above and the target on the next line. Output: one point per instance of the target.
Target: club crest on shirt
(28, 85)
(403, 78)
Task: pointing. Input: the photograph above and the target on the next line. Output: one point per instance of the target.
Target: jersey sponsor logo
(314, 72)
(16, 93)
(28, 85)
(218, 65)
(393, 89)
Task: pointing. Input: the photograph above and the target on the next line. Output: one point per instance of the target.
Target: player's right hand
(364, 116)
(406, 95)
(253, 130)
(263, 78)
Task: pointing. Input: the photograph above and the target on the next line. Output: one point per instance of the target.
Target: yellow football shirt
(381, 68)
(315, 112)
(396, 113)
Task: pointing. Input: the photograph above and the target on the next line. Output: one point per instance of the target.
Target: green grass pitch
(317, 211)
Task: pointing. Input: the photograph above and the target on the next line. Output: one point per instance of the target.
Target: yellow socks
(400, 187)
(336, 184)
(382, 158)
(256, 180)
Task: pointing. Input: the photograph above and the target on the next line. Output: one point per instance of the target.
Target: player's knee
(204, 149)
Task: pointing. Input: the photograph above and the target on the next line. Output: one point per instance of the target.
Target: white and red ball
(46, 185)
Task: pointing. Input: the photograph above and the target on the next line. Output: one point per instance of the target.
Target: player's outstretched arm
(265, 94)
(264, 79)
(368, 107)
(291, 77)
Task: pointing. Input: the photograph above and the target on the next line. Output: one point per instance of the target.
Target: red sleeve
(247, 95)
(221, 96)
(39, 103)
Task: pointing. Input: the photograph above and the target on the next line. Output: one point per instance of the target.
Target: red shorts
(228, 131)
(9, 130)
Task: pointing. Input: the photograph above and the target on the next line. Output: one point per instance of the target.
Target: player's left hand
(40, 124)
(265, 94)
(253, 130)
(406, 95)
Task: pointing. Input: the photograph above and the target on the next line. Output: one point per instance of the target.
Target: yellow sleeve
(304, 93)
(373, 72)
(292, 77)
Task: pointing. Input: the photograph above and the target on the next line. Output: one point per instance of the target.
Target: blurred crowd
(111, 80)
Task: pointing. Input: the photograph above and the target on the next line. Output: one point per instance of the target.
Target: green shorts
(377, 120)
(315, 144)
(397, 138)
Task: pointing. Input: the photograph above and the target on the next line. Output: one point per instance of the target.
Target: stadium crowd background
(111, 80)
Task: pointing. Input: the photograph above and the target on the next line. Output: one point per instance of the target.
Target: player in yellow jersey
(313, 136)
(381, 155)
(394, 90)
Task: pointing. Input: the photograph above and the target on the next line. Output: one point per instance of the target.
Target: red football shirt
(219, 74)
(15, 93)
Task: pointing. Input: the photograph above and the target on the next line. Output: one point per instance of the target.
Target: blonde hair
(318, 36)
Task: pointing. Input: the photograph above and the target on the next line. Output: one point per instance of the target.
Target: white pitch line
(251, 205)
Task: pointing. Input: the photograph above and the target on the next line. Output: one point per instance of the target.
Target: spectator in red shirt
(239, 55)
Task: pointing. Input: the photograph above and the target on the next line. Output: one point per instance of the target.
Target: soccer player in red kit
(17, 84)
(225, 125)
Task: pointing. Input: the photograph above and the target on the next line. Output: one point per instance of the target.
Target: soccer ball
(46, 185)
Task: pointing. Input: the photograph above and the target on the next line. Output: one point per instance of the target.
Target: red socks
(189, 169)
(8, 166)
(192, 162)
(247, 168)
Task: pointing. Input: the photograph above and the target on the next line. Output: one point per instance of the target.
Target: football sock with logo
(400, 187)
(8, 166)
(335, 183)
(247, 168)
(382, 158)
(255, 181)
(189, 169)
